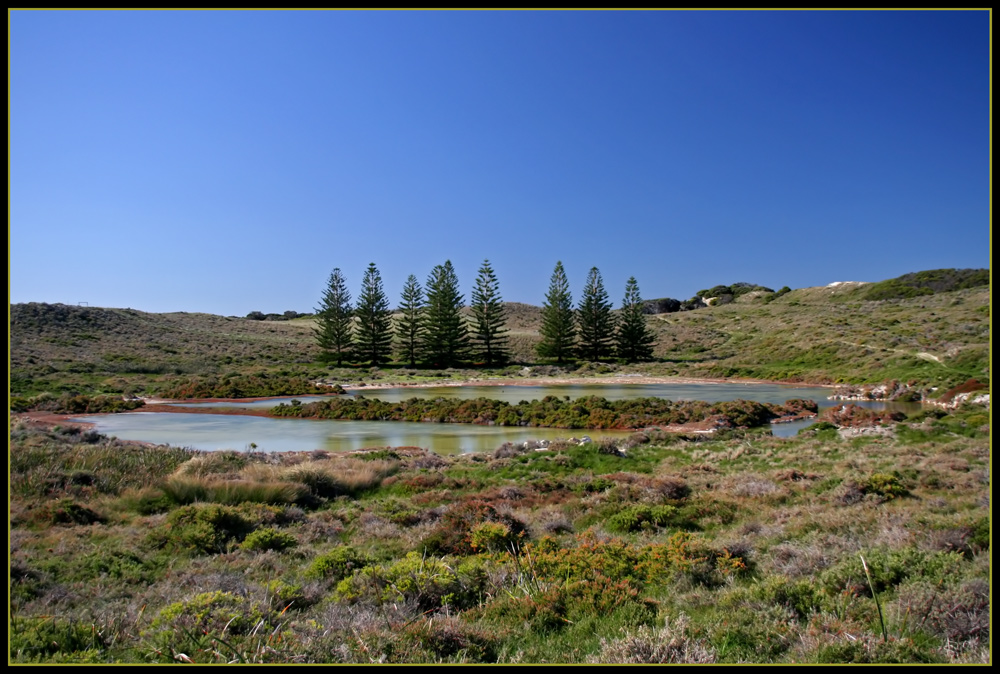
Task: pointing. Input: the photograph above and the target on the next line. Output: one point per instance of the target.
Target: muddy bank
(567, 381)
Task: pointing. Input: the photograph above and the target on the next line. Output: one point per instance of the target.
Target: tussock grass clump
(233, 479)
(56, 462)
(213, 463)
(231, 492)
(52, 639)
(346, 477)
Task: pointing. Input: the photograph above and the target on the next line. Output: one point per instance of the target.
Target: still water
(219, 431)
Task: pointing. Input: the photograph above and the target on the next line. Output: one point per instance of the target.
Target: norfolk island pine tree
(595, 320)
(335, 320)
(374, 340)
(489, 336)
(446, 340)
(634, 339)
(558, 322)
(410, 328)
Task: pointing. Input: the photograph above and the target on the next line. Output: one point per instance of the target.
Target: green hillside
(821, 335)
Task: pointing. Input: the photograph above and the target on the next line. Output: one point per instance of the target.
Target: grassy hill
(832, 334)
(822, 335)
(737, 547)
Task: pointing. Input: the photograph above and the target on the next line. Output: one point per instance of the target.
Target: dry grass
(671, 644)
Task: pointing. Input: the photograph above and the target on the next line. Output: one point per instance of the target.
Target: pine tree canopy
(595, 320)
(334, 320)
(374, 341)
(489, 336)
(446, 341)
(558, 323)
(634, 340)
(410, 328)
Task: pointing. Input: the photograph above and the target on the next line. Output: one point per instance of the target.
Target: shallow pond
(263, 434)
(220, 431)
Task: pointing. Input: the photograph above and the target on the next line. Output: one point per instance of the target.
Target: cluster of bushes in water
(588, 412)
(244, 386)
(68, 403)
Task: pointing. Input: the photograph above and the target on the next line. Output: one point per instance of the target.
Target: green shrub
(886, 485)
(204, 529)
(453, 533)
(337, 564)
(553, 607)
(41, 638)
(283, 596)
(801, 596)
(640, 517)
(209, 612)
(66, 511)
(888, 569)
(123, 565)
(763, 635)
(269, 539)
(430, 582)
(493, 537)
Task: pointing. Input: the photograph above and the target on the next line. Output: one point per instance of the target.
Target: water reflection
(220, 431)
(215, 431)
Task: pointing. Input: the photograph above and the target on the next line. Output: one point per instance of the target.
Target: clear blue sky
(226, 162)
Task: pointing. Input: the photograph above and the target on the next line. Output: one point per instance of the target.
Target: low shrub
(430, 582)
(203, 529)
(645, 517)
(338, 563)
(885, 485)
(210, 613)
(43, 638)
(453, 533)
(888, 569)
(67, 511)
(269, 538)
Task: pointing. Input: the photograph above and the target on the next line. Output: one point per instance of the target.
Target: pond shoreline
(177, 406)
(535, 381)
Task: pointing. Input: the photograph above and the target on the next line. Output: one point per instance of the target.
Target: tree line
(431, 330)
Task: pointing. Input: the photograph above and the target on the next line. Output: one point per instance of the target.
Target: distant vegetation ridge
(935, 330)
